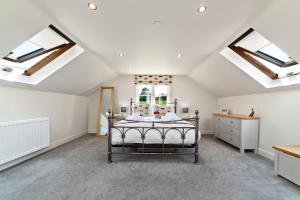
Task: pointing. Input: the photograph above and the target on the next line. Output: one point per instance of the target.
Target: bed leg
(109, 151)
(196, 159)
(196, 138)
(109, 160)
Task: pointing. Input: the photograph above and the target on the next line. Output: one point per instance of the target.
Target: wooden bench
(287, 162)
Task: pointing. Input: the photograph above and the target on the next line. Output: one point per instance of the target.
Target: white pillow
(137, 114)
(135, 117)
(171, 114)
(170, 117)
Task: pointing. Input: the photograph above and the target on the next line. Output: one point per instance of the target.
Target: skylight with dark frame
(265, 55)
(35, 53)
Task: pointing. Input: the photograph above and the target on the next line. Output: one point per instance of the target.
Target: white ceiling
(78, 77)
(279, 22)
(127, 26)
(222, 78)
(20, 20)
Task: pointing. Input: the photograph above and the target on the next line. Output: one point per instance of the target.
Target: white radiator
(20, 138)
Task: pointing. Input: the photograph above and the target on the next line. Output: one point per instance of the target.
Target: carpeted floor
(78, 171)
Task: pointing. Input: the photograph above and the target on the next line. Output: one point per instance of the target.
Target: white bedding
(153, 136)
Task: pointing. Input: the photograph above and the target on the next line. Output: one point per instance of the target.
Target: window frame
(56, 52)
(138, 92)
(251, 57)
(152, 93)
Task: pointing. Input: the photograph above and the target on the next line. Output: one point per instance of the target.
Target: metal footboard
(162, 130)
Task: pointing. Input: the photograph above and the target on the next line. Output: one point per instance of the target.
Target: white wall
(279, 113)
(93, 101)
(183, 88)
(67, 113)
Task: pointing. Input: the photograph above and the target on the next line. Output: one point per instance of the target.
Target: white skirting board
(92, 131)
(52, 146)
(207, 132)
(266, 154)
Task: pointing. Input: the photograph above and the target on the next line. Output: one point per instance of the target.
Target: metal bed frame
(162, 130)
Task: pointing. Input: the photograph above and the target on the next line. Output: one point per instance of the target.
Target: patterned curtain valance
(153, 79)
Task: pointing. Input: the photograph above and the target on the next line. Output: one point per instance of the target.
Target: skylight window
(263, 60)
(24, 49)
(275, 52)
(38, 57)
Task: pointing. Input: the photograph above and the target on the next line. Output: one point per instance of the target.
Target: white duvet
(153, 136)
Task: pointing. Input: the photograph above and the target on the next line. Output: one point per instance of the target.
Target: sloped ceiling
(279, 22)
(23, 19)
(20, 20)
(127, 26)
(222, 78)
(77, 77)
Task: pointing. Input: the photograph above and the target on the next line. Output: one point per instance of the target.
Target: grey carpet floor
(78, 170)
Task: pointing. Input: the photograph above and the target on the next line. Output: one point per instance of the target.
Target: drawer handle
(231, 131)
(231, 122)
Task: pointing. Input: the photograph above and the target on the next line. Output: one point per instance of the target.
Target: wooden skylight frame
(251, 57)
(56, 52)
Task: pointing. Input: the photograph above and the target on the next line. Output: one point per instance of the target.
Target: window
(264, 55)
(36, 53)
(263, 60)
(275, 53)
(161, 93)
(26, 49)
(144, 94)
(153, 94)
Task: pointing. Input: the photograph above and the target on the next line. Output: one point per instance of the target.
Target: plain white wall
(93, 102)
(279, 116)
(67, 113)
(187, 92)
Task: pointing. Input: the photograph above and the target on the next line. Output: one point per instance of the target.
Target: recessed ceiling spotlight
(92, 6)
(179, 55)
(157, 23)
(121, 54)
(202, 9)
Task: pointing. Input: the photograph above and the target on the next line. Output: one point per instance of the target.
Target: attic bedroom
(161, 99)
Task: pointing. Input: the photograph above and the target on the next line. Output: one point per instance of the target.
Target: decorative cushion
(142, 109)
(163, 109)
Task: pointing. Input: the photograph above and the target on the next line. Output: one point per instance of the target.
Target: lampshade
(185, 110)
(123, 109)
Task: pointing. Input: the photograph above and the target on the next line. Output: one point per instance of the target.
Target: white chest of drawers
(238, 130)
